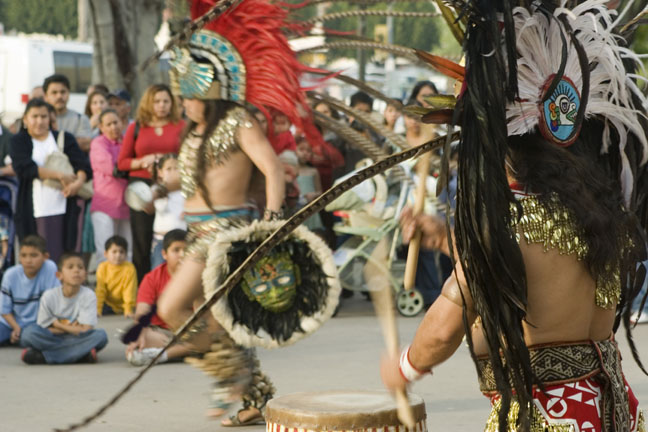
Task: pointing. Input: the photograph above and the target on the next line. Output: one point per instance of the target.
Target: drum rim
(296, 417)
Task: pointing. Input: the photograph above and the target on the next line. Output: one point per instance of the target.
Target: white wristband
(407, 370)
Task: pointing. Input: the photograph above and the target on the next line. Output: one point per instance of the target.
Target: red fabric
(578, 404)
(254, 27)
(325, 159)
(147, 143)
(151, 289)
(284, 141)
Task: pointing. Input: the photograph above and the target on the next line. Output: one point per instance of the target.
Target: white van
(25, 61)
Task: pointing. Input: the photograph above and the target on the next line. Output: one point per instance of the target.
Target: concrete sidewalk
(344, 355)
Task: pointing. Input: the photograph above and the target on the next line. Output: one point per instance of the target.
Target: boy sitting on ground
(22, 287)
(116, 280)
(156, 336)
(64, 332)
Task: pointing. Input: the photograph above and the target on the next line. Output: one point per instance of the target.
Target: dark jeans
(52, 229)
(66, 348)
(432, 271)
(142, 231)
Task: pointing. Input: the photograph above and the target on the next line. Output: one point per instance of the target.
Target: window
(77, 67)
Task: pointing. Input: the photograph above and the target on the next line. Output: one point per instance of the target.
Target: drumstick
(380, 289)
(423, 169)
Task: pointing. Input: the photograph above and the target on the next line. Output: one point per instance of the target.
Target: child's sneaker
(91, 357)
(143, 357)
(32, 356)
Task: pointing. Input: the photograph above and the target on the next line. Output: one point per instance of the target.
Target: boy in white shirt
(67, 315)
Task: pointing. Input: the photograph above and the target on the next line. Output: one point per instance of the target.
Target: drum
(371, 411)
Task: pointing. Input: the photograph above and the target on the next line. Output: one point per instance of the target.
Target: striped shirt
(20, 295)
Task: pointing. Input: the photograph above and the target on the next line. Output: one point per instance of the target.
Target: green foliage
(38, 16)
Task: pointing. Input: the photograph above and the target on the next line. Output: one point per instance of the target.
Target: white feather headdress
(611, 89)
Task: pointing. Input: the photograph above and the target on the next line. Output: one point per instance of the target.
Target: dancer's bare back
(561, 305)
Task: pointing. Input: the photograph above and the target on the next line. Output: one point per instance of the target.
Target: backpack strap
(60, 141)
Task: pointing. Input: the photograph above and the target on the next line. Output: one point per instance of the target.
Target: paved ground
(342, 355)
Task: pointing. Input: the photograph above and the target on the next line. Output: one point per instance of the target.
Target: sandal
(235, 420)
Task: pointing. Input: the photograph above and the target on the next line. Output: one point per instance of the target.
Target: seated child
(116, 280)
(64, 332)
(22, 287)
(153, 338)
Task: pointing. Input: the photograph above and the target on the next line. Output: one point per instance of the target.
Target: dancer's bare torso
(228, 184)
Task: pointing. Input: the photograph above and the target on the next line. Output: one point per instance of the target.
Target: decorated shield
(286, 295)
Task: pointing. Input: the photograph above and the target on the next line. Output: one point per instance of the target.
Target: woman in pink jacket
(109, 212)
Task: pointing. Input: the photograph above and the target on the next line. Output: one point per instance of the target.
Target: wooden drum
(371, 411)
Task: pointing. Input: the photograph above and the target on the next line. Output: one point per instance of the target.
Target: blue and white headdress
(611, 92)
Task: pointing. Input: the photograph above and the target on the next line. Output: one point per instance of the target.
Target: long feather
(365, 13)
(365, 88)
(445, 66)
(399, 50)
(364, 118)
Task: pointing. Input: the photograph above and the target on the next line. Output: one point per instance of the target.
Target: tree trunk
(85, 29)
(123, 33)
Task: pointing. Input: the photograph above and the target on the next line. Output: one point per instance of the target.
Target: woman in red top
(156, 131)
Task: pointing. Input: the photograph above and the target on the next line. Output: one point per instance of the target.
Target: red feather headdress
(250, 36)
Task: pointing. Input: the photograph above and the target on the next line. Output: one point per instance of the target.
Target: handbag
(117, 173)
(59, 161)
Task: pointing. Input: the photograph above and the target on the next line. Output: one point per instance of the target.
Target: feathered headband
(551, 101)
(570, 67)
(244, 56)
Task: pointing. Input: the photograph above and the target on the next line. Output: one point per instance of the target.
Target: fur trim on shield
(218, 268)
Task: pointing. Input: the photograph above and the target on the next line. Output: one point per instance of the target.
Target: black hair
(361, 97)
(35, 241)
(334, 113)
(596, 204)
(175, 235)
(117, 241)
(36, 103)
(103, 88)
(56, 78)
(157, 166)
(107, 111)
(417, 89)
(66, 256)
(311, 292)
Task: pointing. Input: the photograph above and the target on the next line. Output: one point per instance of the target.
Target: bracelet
(407, 369)
(272, 215)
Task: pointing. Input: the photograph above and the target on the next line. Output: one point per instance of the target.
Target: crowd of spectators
(63, 234)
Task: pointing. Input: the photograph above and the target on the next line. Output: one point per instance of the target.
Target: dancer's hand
(390, 373)
(433, 230)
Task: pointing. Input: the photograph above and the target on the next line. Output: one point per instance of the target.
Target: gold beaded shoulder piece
(220, 146)
(551, 224)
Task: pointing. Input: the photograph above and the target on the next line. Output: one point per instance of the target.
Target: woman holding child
(156, 131)
(42, 209)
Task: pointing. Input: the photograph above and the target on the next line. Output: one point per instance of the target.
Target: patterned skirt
(585, 391)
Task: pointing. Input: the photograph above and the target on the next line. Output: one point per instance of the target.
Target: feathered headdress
(553, 107)
(244, 56)
(533, 68)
